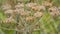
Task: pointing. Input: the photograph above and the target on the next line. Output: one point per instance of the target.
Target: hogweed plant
(29, 17)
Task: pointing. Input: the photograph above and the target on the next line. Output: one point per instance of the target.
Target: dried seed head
(31, 4)
(54, 11)
(24, 13)
(38, 8)
(35, 8)
(42, 7)
(8, 11)
(9, 20)
(30, 18)
(47, 4)
(6, 6)
(38, 14)
(18, 6)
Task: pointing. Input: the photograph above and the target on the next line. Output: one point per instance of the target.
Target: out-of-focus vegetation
(29, 16)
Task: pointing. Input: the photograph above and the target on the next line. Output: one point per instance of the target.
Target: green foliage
(56, 2)
(2, 16)
(1, 32)
(36, 32)
(9, 31)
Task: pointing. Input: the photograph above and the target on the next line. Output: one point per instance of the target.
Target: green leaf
(11, 32)
(1, 32)
(2, 16)
(36, 32)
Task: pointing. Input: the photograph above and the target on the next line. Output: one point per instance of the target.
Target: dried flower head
(24, 13)
(38, 8)
(30, 18)
(54, 11)
(38, 14)
(6, 6)
(8, 11)
(35, 8)
(18, 6)
(9, 20)
(31, 4)
(41, 7)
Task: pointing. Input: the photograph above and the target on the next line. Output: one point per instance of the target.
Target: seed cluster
(28, 13)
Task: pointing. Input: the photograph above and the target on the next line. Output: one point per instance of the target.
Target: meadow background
(29, 16)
